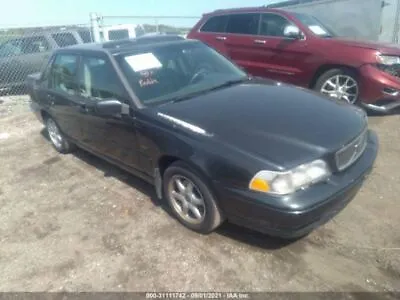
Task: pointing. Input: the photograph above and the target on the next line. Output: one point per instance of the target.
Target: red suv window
(243, 23)
(215, 24)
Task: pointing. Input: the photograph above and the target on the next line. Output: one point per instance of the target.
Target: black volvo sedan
(216, 143)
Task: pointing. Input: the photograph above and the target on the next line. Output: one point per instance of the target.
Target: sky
(25, 13)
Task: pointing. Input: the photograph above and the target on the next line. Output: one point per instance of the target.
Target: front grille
(346, 156)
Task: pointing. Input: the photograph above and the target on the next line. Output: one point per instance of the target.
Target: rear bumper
(379, 91)
(297, 215)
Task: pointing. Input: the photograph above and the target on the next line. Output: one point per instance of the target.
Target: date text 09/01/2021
(197, 295)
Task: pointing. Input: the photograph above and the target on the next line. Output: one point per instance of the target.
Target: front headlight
(283, 183)
(388, 60)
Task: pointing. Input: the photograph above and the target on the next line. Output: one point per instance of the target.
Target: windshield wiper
(202, 92)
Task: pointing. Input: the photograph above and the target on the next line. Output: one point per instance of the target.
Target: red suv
(298, 49)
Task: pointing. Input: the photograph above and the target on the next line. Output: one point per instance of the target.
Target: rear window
(85, 35)
(243, 23)
(118, 34)
(215, 24)
(64, 39)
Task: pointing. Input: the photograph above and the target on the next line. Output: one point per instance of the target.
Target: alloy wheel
(54, 133)
(342, 87)
(186, 199)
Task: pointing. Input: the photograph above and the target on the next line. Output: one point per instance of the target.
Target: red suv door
(285, 58)
(257, 42)
(212, 33)
(241, 41)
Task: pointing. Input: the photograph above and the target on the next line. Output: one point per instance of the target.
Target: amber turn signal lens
(258, 184)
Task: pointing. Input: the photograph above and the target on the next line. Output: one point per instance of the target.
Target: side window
(97, 79)
(243, 23)
(47, 69)
(64, 39)
(85, 35)
(215, 24)
(35, 44)
(63, 72)
(11, 48)
(273, 25)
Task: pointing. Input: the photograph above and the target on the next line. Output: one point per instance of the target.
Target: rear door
(282, 58)
(212, 33)
(61, 96)
(241, 41)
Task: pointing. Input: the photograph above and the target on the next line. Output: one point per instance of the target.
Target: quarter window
(63, 71)
(28, 45)
(243, 23)
(64, 39)
(215, 24)
(85, 35)
(97, 79)
(273, 25)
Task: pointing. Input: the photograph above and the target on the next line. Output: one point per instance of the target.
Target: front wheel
(190, 199)
(340, 84)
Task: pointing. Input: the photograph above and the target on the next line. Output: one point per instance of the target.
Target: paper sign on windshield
(317, 30)
(142, 62)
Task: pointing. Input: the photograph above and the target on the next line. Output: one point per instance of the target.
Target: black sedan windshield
(176, 71)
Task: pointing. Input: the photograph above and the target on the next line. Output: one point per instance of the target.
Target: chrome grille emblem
(346, 156)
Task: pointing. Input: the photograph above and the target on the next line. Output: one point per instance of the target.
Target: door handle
(262, 42)
(51, 99)
(84, 108)
(221, 38)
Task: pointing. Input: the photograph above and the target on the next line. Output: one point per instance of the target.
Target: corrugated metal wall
(358, 19)
(390, 21)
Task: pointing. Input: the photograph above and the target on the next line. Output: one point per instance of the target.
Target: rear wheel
(190, 199)
(58, 140)
(340, 84)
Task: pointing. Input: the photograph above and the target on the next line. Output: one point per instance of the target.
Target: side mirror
(111, 108)
(292, 32)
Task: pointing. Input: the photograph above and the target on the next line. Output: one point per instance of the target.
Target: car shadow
(229, 230)
(394, 112)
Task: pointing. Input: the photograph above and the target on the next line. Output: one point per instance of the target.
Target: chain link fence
(24, 51)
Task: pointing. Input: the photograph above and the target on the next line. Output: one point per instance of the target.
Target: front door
(113, 137)
(282, 58)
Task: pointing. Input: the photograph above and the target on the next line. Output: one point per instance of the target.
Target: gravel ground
(75, 223)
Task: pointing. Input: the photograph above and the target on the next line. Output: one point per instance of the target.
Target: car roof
(253, 9)
(125, 45)
(44, 33)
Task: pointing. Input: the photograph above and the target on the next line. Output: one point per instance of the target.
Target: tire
(57, 138)
(342, 73)
(212, 216)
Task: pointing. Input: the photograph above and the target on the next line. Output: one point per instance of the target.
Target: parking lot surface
(76, 223)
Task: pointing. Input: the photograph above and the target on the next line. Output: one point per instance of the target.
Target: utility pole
(94, 24)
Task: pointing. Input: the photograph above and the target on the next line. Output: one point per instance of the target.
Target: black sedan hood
(280, 123)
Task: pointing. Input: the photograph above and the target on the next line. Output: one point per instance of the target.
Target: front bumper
(379, 91)
(297, 215)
